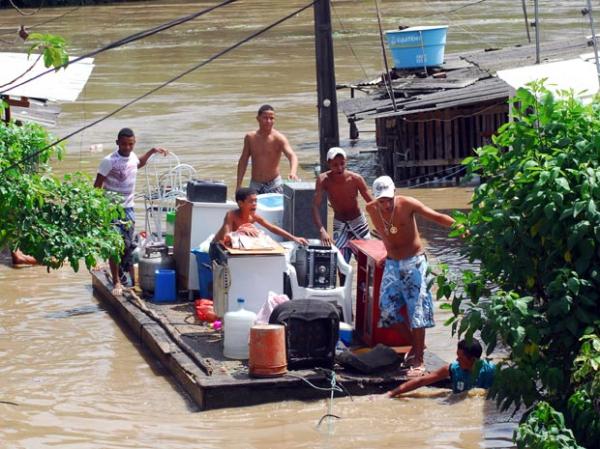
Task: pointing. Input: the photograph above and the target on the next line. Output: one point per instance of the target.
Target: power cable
(347, 41)
(164, 84)
(23, 13)
(25, 72)
(131, 38)
(448, 176)
(466, 6)
(433, 10)
(439, 172)
(459, 116)
(45, 22)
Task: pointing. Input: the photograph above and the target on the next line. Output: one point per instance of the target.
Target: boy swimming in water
(466, 372)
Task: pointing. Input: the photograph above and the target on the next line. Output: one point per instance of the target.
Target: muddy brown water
(70, 375)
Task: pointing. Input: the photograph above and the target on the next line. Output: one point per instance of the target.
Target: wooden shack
(437, 118)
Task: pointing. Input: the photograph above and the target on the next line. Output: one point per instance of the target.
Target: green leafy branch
(54, 220)
(53, 48)
(534, 228)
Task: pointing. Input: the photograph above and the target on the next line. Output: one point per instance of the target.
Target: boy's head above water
(246, 198)
(468, 352)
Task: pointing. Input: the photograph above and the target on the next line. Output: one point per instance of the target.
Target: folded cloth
(261, 241)
(379, 358)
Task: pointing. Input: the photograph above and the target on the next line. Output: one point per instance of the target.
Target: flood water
(71, 375)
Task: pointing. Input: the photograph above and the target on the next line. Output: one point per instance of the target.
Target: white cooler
(270, 207)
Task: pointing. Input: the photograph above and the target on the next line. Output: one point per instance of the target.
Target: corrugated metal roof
(463, 79)
(519, 56)
(577, 74)
(491, 89)
(64, 85)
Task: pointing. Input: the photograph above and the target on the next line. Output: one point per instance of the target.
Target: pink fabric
(263, 315)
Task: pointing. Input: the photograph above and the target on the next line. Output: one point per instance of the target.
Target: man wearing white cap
(404, 279)
(342, 187)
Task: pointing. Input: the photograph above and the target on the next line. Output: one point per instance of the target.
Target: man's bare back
(265, 147)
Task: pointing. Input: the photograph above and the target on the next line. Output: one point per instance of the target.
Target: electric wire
(23, 13)
(45, 22)
(439, 172)
(347, 41)
(129, 39)
(6, 42)
(53, 19)
(466, 6)
(162, 85)
(25, 72)
(333, 387)
(436, 12)
(455, 117)
(450, 175)
(386, 77)
(336, 388)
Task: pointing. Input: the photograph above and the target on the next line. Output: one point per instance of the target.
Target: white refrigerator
(194, 223)
(248, 276)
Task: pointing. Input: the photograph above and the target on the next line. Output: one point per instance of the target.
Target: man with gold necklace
(404, 279)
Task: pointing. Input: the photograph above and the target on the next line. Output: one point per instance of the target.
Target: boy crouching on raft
(244, 218)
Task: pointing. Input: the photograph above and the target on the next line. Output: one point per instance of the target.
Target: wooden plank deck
(193, 355)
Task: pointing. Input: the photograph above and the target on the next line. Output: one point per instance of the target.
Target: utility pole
(329, 133)
(537, 32)
(524, 6)
(588, 11)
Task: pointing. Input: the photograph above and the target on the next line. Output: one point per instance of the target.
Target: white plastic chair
(166, 179)
(342, 294)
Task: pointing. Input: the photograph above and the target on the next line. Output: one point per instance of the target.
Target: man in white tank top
(117, 173)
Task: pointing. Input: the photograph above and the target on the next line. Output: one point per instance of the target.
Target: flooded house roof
(63, 85)
(464, 79)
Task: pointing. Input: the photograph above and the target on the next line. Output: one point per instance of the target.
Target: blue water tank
(417, 47)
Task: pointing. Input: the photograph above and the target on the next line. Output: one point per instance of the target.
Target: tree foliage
(53, 49)
(535, 228)
(55, 220)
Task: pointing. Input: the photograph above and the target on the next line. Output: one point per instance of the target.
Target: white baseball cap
(335, 151)
(383, 187)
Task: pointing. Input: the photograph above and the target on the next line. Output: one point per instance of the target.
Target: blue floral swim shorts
(405, 282)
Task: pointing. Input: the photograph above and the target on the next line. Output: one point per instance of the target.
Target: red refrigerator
(370, 256)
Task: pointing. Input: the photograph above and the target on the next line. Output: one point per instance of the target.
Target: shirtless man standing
(265, 146)
(342, 187)
(404, 277)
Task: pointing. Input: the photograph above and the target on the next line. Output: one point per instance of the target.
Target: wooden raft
(193, 354)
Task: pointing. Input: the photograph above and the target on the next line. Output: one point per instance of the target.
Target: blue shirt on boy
(465, 380)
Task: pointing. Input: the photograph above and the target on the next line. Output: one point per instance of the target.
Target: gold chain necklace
(388, 226)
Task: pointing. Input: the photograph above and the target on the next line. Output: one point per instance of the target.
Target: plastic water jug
(237, 332)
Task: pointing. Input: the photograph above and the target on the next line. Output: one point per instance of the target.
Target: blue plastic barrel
(164, 286)
(417, 47)
(205, 279)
